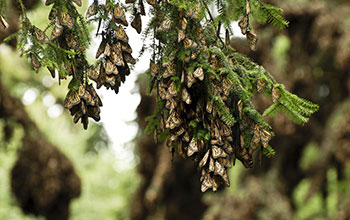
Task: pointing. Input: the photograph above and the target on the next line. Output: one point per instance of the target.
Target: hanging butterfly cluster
(83, 104)
(82, 99)
(114, 47)
(198, 105)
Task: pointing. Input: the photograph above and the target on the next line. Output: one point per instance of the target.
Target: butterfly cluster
(83, 103)
(114, 50)
(199, 105)
(82, 99)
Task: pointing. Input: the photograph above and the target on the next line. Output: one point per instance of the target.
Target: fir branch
(272, 14)
(269, 151)
(223, 111)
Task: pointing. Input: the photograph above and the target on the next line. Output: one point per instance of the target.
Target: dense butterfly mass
(114, 49)
(197, 129)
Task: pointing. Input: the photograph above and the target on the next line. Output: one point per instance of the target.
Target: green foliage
(296, 108)
(269, 152)
(266, 13)
(3, 8)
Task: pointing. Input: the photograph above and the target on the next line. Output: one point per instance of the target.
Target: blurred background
(115, 171)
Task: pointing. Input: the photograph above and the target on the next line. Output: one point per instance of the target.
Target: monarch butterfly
(225, 130)
(260, 85)
(110, 79)
(171, 90)
(227, 84)
(242, 140)
(121, 35)
(77, 116)
(265, 137)
(115, 71)
(207, 182)
(71, 99)
(185, 96)
(190, 44)
(154, 68)
(83, 107)
(190, 79)
(53, 14)
(66, 19)
(216, 131)
(78, 2)
(211, 165)
(128, 58)
(56, 31)
(162, 93)
(166, 24)
(219, 169)
(217, 152)
(101, 49)
(215, 62)
(81, 90)
(183, 24)
(126, 47)
(186, 137)
(94, 113)
(275, 95)
(225, 162)
(85, 121)
(180, 35)
(193, 12)
(252, 40)
(173, 121)
(52, 71)
(227, 146)
(49, 2)
(243, 24)
(256, 134)
(93, 74)
(209, 106)
(93, 93)
(151, 2)
(92, 10)
(245, 157)
(71, 42)
(137, 23)
(204, 160)
(169, 71)
(199, 73)
(35, 62)
(40, 35)
(119, 15)
(170, 104)
(109, 67)
(118, 55)
(192, 147)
